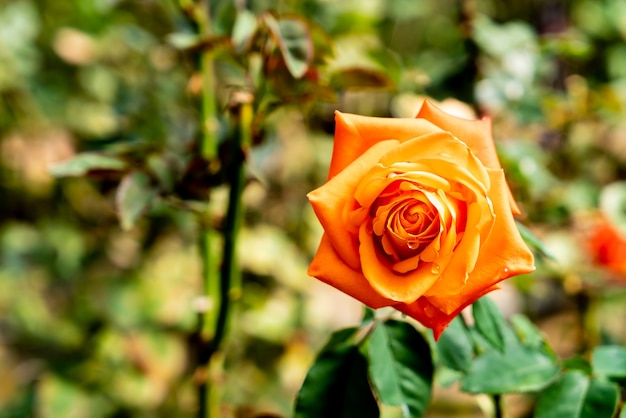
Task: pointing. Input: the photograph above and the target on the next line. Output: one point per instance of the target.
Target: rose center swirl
(405, 222)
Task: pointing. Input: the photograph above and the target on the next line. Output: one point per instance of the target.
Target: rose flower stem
(227, 290)
(209, 103)
(230, 278)
(208, 336)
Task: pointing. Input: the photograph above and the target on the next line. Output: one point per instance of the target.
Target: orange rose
(417, 215)
(608, 246)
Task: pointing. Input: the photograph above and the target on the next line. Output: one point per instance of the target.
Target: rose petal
(475, 133)
(332, 201)
(439, 153)
(328, 267)
(502, 255)
(380, 275)
(430, 316)
(354, 134)
(463, 260)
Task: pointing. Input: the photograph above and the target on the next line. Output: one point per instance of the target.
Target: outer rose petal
(354, 134)
(330, 200)
(429, 316)
(502, 255)
(475, 133)
(329, 268)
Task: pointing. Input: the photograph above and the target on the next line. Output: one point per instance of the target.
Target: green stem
(230, 277)
(202, 16)
(209, 314)
(223, 292)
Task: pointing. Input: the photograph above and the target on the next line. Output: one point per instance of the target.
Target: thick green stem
(223, 292)
(202, 16)
(230, 277)
(210, 311)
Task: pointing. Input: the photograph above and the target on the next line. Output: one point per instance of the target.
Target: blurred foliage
(96, 318)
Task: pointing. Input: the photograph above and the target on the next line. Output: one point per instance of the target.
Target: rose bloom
(607, 246)
(417, 215)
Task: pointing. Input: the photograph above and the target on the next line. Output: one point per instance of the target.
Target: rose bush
(417, 215)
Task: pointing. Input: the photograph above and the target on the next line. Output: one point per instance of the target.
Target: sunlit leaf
(527, 332)
(401, 367)
(613, 203)
(83, 163)
(134, 195)
(609, 361)
(192, 41)
(244, 27)
(575, 395)
(518, 369)
(294, 41)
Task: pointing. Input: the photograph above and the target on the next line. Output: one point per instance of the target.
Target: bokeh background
(95, 319)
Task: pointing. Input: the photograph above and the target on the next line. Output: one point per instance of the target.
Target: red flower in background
(607, 246)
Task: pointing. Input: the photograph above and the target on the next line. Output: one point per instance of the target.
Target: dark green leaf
(575, 395)
(489, 322)
(455, 346)
(609, 361)
(517, 369)
(134, 195)
(577, 363)
(368, 314)
(401, 367)
(337, 386)
(83, 163)
(294, 41)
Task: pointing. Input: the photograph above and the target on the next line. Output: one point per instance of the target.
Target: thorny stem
(215, 306)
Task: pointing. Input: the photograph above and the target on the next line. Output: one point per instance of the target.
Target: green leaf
(609, 361)
(575, 395)
(613, 203)
(517, 369)
(190, 41)
(401, 367)
(294, 41)
(489, 322)
(83, 163)
(368, 314)
(455, 346)
(243, 29)
(533, 241)
(577, 363)
(527, 332)
(337, 386)
(360, 78)
(134, 195)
